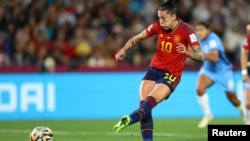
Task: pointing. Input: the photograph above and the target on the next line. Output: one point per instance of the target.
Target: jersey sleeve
(213, 45)
(151, 30)
(246, 45)
(248, 38)
(190, 34)
(192, 39)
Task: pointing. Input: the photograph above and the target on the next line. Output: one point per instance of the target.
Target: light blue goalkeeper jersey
(213, 42)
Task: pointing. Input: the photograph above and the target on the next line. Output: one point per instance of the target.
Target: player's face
(202, 31)
(165, 19)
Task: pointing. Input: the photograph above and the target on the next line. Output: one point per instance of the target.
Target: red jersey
(248, 38)
(247, 43)
(166, 57)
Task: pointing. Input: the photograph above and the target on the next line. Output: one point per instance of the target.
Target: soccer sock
(204, 102)
(147, 127)
(248, 115)
(242, 109)
(144, 110)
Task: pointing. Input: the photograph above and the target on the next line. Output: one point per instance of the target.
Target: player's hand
(181, 48)
(119, 55)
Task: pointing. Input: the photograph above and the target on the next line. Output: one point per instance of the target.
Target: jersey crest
(177, 38)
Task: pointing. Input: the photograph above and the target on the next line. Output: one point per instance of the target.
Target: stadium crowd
(87, 33)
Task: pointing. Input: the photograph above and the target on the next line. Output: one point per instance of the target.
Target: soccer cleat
(247, 122)
(247, 119)
(124, 122)
(205, 120)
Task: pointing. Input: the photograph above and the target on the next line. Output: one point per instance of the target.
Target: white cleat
(205, 120)
(247, 122)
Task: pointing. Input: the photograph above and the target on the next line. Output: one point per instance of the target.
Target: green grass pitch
(168, 129)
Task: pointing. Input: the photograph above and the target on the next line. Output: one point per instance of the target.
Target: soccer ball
(41, 133)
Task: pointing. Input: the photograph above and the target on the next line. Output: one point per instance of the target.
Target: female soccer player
(164, 72)
(216, 68)
(245, 70)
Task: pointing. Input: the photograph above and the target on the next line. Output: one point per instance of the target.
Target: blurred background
(74, 35)
(73, 43)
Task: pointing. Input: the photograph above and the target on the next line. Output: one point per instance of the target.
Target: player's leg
(165, 85)
(226, 80)
(203, 83)
(247, 97)
(159, 93)
(146, 125)
(246, 89)
(146, 90)
(232, 97)
(144, 114)
(146, 87)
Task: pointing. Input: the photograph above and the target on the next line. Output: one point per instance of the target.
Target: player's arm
(195, 53)
(132, 42)
(244, 61)
(244, 58)
(212, 56)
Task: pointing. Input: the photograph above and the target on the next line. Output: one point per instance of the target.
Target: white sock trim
(204, 103)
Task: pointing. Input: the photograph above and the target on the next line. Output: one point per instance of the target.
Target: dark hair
(169, 6)
(205, 24)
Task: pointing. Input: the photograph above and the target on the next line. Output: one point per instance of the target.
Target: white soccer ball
(41, 133)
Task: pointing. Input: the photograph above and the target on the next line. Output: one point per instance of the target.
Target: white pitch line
(82, 133)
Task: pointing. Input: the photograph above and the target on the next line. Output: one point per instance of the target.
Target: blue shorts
(246, 86)
(160, 76)
(225, 79)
